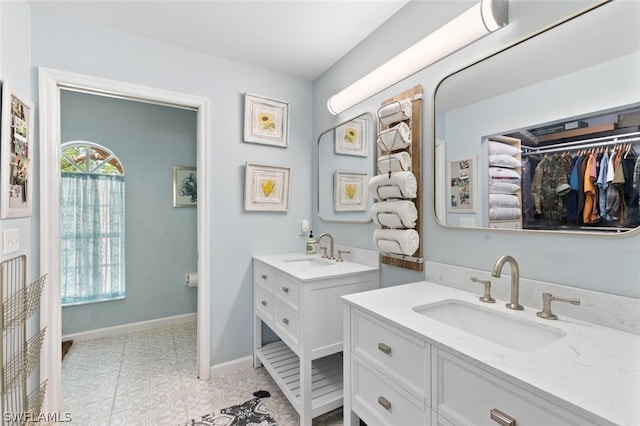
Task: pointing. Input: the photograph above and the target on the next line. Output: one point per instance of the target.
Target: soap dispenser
(311, 244)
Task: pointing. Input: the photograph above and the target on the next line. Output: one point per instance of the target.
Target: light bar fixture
(480, 20)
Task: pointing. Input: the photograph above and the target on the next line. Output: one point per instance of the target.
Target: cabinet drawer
(401, 357)
(287, 325)
(466, 395)
(264, 304)
(378, 401)
(264, 276)
(287, 291)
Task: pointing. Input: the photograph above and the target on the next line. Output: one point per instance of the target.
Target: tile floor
(149, 378)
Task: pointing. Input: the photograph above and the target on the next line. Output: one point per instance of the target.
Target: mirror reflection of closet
(572, 87)
(346, 161)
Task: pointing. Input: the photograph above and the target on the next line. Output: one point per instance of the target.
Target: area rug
(249, 413)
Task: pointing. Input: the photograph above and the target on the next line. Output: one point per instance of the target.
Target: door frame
(51, 81)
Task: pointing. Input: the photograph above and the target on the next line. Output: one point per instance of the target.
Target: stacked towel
(504, 200)
(400, 241)
(395, 214)
(395, 112)
(504, 213)
(398, 185)
(501, 174)
(395, 138)
(398, 162)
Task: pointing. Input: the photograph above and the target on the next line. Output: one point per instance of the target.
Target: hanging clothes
(589, 214)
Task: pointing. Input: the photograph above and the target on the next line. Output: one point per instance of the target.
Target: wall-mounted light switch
(11, 241)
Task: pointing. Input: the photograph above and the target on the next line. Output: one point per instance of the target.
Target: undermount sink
(501, 328)
(308, 262)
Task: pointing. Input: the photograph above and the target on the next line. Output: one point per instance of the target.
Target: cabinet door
(466, 395)
(287, 326)
(395, 353)
(263, 275)
(264, 305)
(378, 401)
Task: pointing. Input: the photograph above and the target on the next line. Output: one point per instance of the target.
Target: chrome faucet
(326, 234)
(515, 280)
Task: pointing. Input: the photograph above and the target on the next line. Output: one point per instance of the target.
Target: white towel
(504, 200)
(395, 138)
(398, 162)
(395, 112)
(395, 214)
(400, 241)
(504, 213)
(399, 185)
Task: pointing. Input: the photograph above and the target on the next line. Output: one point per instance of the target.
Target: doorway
(52, 82)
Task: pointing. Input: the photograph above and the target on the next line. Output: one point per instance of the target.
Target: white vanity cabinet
(305, 310)
(396, 378)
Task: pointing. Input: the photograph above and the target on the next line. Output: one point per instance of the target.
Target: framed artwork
(350, 191)
(266, 188)
(16, 137)
(462, 185)
(351, 138)
(266, 121)
(185, 187)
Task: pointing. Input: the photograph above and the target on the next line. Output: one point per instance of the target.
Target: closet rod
(572, 146)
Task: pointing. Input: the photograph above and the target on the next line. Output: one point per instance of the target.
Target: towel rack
(414, 121)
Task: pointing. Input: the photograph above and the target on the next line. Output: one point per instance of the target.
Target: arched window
(92, 196)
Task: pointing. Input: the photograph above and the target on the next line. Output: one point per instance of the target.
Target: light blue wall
(236, 235)
(160, 239)
(556, 258)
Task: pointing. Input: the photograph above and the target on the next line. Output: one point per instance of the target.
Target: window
(92, 224)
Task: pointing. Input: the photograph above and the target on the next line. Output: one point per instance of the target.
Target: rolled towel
(395, 214)
(504, 200)
(398, 162)
(395, 112)
(504, 213)
(395, 138)
(399, 185)
(400, 241)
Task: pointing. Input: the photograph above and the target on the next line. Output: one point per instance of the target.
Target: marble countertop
(593, 368)
(296, 265)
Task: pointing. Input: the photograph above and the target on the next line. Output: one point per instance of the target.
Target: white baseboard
(230, 366)
(130, 328)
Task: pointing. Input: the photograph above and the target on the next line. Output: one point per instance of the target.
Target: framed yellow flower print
(351, 138)
(266, 121)
(266, 188)
(349, 191)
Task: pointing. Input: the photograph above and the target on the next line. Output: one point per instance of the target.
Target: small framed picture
(462, 184)
(266, 121)
(351, 138)
(350, 191)
(15, 153)
(185, 187)
(266, 188)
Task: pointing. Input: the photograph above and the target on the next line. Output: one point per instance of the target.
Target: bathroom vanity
(428, 354)
(298, 297)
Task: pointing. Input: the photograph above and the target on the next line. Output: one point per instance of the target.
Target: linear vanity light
(478, 21)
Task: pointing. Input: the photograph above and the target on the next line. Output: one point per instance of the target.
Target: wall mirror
(346, 160)
(571, 91)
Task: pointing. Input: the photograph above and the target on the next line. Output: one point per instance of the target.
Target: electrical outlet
(467, 222)
(11, 241)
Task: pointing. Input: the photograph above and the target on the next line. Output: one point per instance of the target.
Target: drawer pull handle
(264, 303)
(286, 321)
(285, 289)
(264, 276)
(502, 418)
(384, 402)
(384, 348)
